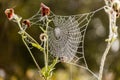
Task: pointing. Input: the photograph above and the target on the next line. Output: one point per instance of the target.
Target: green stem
(33, 57)
(23, 37)
(21, 29)
(37, 44)
(31, 53)
(26, 34)
(47, 43)
(45, 57)
(46, 48)
(18, 22)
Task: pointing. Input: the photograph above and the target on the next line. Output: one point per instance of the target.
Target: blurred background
(17, 64)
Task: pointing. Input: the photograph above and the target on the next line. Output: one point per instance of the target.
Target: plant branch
(103, 60)
(111, 11)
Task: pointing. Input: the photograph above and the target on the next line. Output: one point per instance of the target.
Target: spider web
(66, 39)
(66, 36)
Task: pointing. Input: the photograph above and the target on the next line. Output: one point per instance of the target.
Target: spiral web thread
(66, 36)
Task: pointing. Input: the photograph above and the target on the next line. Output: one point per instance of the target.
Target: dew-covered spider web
(66, 36)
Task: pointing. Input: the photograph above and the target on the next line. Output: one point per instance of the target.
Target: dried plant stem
(103, 60)
(111, 39)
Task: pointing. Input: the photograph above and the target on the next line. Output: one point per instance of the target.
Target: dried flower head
(116, 7)
(43, 37)
(9, 13)
(44, 10)
(26, 23)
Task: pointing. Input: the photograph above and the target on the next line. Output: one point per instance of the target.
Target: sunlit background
(17, 64)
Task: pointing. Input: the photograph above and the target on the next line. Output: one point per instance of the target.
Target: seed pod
(116, 6)
(44, 10)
